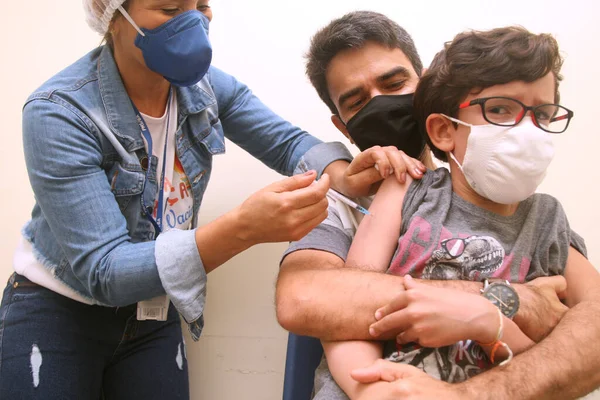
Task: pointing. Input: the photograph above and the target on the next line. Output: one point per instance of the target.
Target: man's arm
(317, 296)
(566, 364)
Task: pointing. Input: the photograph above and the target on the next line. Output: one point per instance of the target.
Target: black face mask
(387, 120)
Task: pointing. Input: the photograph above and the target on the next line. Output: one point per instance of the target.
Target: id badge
(154, 309)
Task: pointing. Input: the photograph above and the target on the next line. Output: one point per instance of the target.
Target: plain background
(242, 352)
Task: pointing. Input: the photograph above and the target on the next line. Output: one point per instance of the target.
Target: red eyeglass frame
(525, 109)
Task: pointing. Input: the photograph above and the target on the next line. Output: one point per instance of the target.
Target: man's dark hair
(353, 31)
(477, 60)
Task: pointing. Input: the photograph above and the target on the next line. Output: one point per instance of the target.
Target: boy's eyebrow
(399, 70)
(519, 96)
(540, 100)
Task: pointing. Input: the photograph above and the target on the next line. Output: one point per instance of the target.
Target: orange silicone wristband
(494, 349)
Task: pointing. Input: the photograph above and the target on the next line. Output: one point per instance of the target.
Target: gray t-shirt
(445, 237)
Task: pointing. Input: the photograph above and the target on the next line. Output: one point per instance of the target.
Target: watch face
(504, 297)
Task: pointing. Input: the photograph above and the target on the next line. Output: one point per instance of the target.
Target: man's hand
(541, 309)
(365, 172)
(404, 382)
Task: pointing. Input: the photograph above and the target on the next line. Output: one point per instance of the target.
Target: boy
(488, 105)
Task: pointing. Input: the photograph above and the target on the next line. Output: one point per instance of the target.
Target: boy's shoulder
(440, 174)
(551, 232)
(431, 194)
(547, 210)
(432, 180)
(546, 200)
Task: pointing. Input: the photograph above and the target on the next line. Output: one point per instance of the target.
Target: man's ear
(441, 132)
(339, 124)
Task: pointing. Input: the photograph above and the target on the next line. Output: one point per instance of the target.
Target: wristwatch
(502, 295)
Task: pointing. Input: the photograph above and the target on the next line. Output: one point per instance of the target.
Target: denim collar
(120, 112)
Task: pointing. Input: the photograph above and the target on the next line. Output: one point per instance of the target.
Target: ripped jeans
(52, 347)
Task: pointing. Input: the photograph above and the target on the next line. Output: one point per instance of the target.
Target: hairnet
(99, 13)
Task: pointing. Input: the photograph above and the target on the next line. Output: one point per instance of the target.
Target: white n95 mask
(506, 164)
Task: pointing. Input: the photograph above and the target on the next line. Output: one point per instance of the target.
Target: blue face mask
(179, 49)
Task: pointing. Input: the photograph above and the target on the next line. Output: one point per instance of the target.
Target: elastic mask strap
(128, 18)
(458, 121)
(456, 161)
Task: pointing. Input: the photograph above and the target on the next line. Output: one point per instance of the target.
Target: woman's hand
(362, 176)
(285, 210)
(436, 317)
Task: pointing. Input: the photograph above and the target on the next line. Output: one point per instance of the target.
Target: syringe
(345, 200)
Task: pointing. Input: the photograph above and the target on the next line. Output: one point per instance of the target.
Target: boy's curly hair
(476, 60)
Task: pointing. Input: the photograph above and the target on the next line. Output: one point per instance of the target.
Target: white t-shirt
(177, 198)
(350, 217)
(178, 201)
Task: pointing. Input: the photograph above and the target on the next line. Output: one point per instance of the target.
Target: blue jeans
(52, 347)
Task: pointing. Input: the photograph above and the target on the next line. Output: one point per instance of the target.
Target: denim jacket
(83, 148)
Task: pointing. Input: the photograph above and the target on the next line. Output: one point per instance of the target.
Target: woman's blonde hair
(108, 39)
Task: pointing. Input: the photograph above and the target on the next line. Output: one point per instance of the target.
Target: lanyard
(161, 205)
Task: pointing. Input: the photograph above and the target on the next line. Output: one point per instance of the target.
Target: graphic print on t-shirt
(178, 209)
(472, 258)
(178, 199)
(455, 363)
(439, 254)
(427, 253)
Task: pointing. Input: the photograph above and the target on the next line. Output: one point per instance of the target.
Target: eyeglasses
(504, 111)
(454, 247)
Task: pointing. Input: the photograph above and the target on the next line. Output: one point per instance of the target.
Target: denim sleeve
(320, 156)
(277, 143)
(64, 161)
(183, 275)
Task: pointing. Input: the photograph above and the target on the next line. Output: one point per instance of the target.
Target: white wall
(242, 351)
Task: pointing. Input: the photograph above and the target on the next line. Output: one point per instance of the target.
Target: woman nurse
(119, 150)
